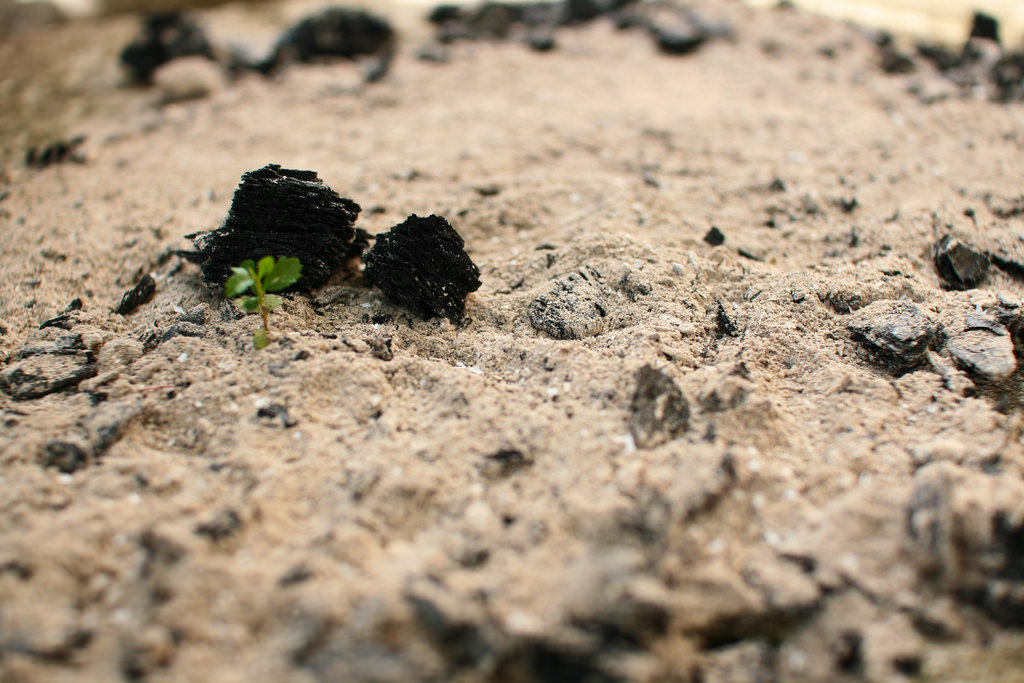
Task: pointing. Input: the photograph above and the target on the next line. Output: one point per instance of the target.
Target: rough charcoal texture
(421, 264)
(896, 334)
(335, 32)
(137, 295)
(57, 152)
(165, 36)
(281, 212)
(660, 411)
(960, 265)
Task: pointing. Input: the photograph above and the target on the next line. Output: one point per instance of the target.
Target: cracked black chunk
(574, 308)
(137, 295)
(896, 334)
(421, 264)
(280, 212)
(660, 411)
(335, 32)
(960, 265)
(165, 36)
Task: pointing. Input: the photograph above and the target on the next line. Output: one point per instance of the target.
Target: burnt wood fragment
(281, 212)
(421, 264)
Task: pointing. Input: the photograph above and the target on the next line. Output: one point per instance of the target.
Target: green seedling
(266, 276)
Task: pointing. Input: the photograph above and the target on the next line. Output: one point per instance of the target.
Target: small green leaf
(261, 339)
(250, 304)
(238, 270)
(272, 301)
(285, 273)
(265, 267)
(237, 283)
(248, 265)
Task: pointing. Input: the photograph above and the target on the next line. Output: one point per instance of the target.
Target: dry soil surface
(422, 500)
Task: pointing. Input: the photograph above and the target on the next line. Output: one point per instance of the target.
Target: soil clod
(896, 334)
(421, 264)
(574, 308)
(281, 212)
(660, 411)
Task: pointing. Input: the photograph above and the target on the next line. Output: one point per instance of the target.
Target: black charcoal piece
(165, 36)
(985, 26)
(714, 237)
(574, 308)
(67, 317)
(137, 295)
(337, 32)
(421, 264)
(56, 152)
(40, 375)
(281, 212)
(504, 463)
(723, 323)
(960, 265)
(277, 412)
(66, 456)
(985, 354)
(222, 526)
(674, 40)
(896, 334)
(660, 411)
(541, 41)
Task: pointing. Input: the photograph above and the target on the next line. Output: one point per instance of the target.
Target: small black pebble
(715, 237)
(422, 264)
(541, 42)
(137, 295)
(960, 265)
(334, 32)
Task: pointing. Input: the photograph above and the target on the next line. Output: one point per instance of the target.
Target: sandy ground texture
(794, 456)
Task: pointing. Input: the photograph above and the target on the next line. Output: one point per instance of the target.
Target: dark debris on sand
(282, 212)
(421, 264)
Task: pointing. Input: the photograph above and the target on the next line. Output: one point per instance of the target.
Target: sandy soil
(468, 502)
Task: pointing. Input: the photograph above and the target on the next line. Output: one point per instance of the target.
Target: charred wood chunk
(960, 265)
(660, 411)
(335, 32)
(137, 295)
(895, 334)
(165, 36)
(421, 264)
(39, 375)
(281, 212)
(56, 152)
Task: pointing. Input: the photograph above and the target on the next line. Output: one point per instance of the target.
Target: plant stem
(259, 295)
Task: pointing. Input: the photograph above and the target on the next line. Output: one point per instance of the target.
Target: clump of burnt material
(165, 36)
(959, 264)
(535, 20)
(137, 295)
(56, 152)
(335, 32)
(421, 264)
(281, 212)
